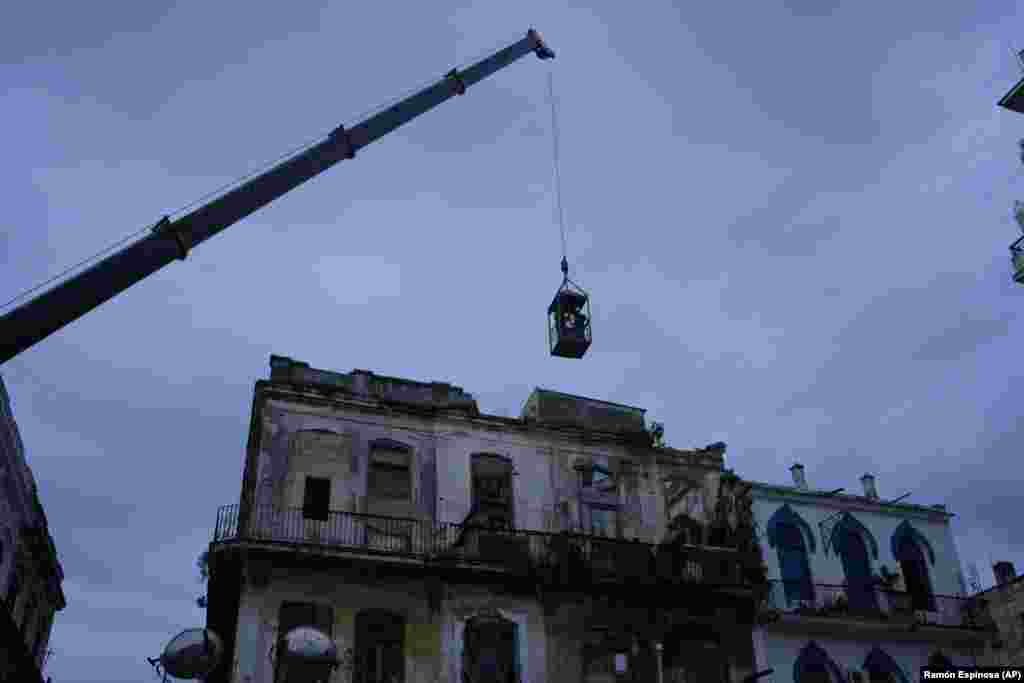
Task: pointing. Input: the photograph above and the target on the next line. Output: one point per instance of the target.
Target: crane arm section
(52, 310)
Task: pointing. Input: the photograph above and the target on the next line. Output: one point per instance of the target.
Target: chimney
(1004, 571)
(868, 482)
(798, 476)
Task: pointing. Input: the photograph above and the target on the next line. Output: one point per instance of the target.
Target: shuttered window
(389, 476)
(379, 655)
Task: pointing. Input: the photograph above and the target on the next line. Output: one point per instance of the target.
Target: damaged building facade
(30, 570)
(861, 589)
(435, 543)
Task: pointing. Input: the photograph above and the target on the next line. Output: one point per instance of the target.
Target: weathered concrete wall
(433, 642)
(258, 627)
(1006, 605)
(36, 564)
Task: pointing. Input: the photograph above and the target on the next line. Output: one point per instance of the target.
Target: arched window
(790, 535)
(490, 650)
(910, 548)
(796, 572)
(881, 668)
(814, 666)
(379, 647)
(854, 544)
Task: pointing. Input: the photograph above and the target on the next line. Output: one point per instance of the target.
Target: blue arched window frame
(851, 524)
(785, 515)
(813, 657)
(906, 530)
(794, 567)
(879, 661)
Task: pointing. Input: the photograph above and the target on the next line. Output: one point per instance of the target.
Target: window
(379, 647)
(603, 521)
(796, 572)
(915, 574)
(317, 498)
(693, 503)
(295, 614)
(490, 652)
(389, 476)
(882, 668)
(492, 488)
(814, 666)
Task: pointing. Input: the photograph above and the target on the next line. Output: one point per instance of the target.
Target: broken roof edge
(584, 398)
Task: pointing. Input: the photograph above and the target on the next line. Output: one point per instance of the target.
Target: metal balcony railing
(875, 603)
(560, 557)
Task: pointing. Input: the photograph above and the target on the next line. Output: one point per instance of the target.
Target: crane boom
(52, 310)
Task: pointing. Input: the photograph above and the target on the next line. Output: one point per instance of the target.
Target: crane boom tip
(539, 46)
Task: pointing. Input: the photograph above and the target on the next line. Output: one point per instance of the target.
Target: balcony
(550, 558)
(874, 604)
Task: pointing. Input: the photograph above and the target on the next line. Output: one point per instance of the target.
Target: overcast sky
(793, 218)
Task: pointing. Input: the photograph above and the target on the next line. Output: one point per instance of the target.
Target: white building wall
(828, 569)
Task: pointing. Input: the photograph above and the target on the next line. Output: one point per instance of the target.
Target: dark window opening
(490, 651)
(317, 499)
(860, 586)
(796, 571)
(389, 477)
(814, 666)
(915, 575)
(492, 490)
(379, 650)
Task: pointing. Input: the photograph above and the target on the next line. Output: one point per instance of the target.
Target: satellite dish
(308, 653)
(1018, 213)
(193, 653)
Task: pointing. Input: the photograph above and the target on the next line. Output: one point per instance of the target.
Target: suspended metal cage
(569, 320)
(1017, 258)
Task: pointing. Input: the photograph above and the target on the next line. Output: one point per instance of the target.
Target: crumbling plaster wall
(281, 465)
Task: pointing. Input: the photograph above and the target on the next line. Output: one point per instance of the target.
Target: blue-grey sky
(792, 216)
